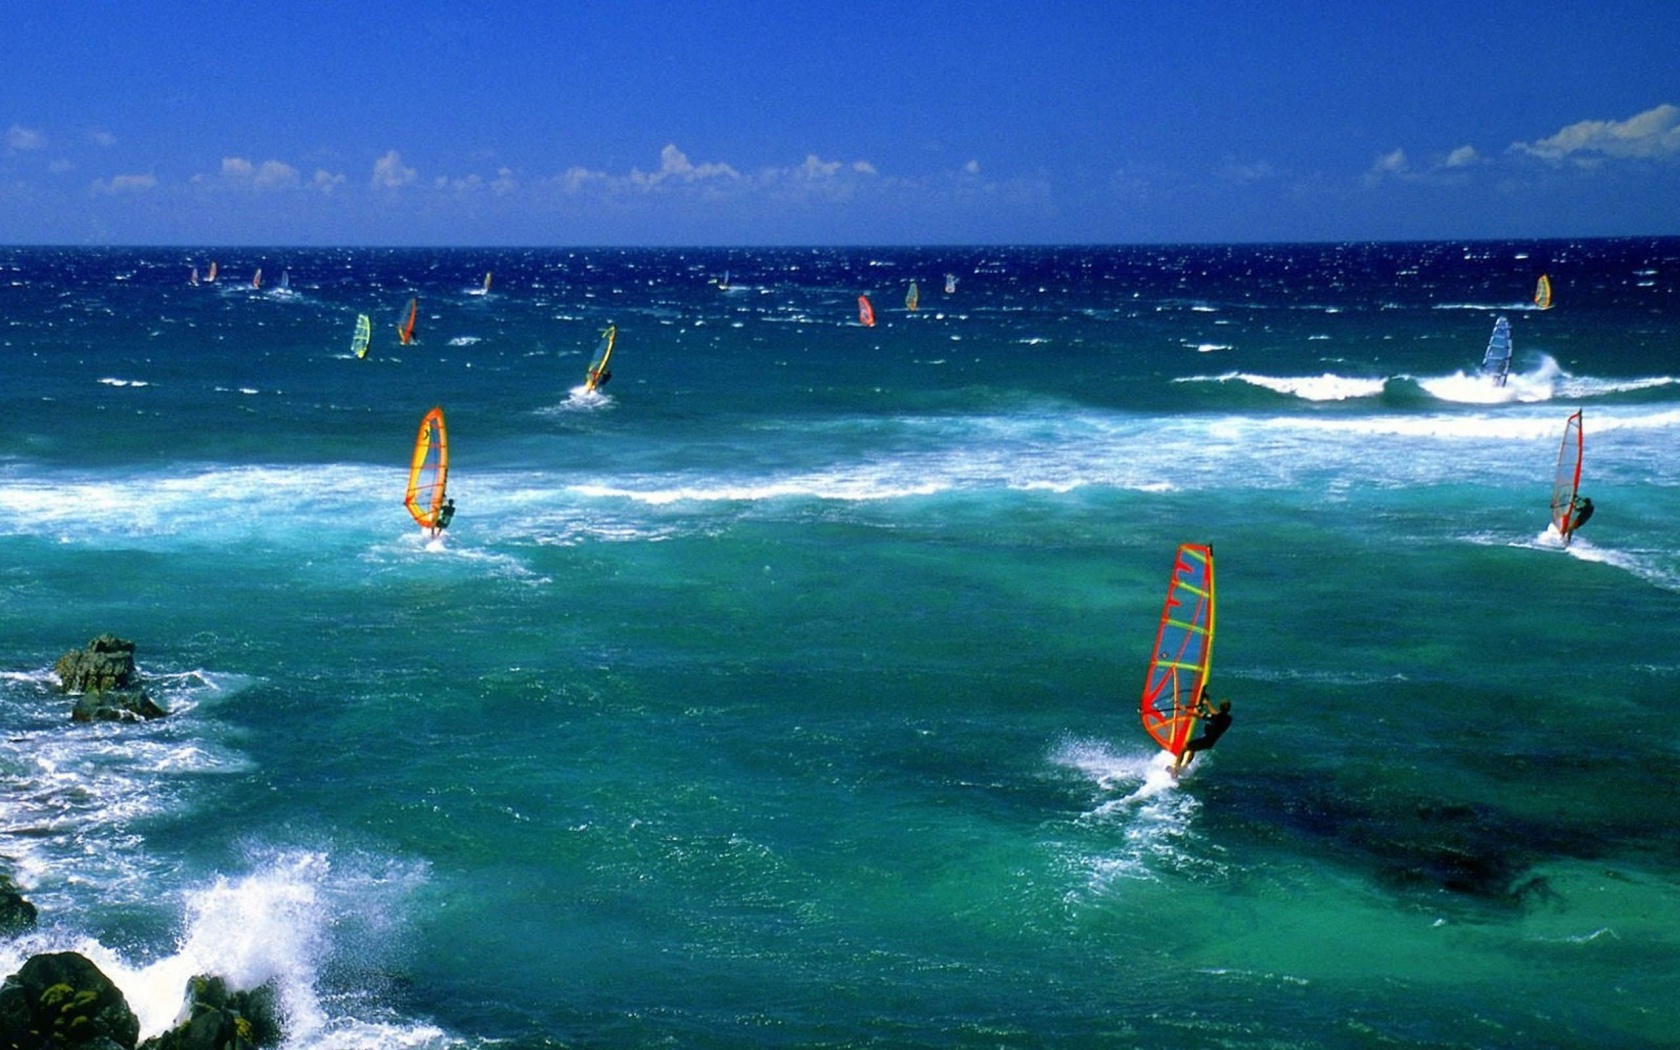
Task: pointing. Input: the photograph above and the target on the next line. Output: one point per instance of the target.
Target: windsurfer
(1583, 510)
(1217, 722)
(445, 514)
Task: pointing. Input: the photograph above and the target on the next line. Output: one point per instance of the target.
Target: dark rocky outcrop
(105, 676)
(61, 999)
(217, 1019)
(16, 914)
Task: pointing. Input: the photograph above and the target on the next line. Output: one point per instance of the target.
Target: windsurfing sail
(866, 313)
(285, 280)
(1178, 668)
(950, 284)
(1496, 363)
(1566, 483)
(429, 470)
(1543, 293)
(912, 298)
(599, 373)
(405, 331)
(211, 276)
(364, 335)
(723, 282)
(256, 278)
(194, 278)
(486, 288)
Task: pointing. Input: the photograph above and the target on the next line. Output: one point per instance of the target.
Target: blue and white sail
(1496, 363)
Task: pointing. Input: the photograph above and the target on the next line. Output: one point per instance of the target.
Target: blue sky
(724, 123)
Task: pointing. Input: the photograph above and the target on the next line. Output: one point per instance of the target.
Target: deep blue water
(786, 694)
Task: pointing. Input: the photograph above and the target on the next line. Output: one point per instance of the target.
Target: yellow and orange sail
(428, 472)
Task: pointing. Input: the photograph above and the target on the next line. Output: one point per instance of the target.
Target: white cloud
(101, 137)
(1651, 135)
(272, 174)
(972, 167)
(816, 168)
(21, 138)
(389, 172)
(675, 165)
(326, 181)
(1389, 165)
(576, 178)
(269, 175)
(124, 184)
(1462, 157)
(1452, 169)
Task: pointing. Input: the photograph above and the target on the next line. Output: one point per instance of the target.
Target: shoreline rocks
(62, 999)
(111, 688)
(16, 914)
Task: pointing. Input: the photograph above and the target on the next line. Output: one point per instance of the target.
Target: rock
(107, 663)
(61, 999)
(104, 674)
(115, 706)
(217, 1019)
(16, 914)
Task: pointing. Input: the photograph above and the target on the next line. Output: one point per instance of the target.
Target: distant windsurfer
(1216, 724)
(1583, 509)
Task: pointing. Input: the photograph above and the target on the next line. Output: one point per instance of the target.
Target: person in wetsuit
(1214, 726)
(1583, 511)
(445, 515)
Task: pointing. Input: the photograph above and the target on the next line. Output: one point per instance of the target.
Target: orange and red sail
(405, 331)
(1178, 668)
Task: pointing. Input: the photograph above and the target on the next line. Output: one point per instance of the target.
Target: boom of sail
(1496, 363)
(599, 373)
(1566, 483)
(1543, 293)
(364, 335)
(1178, 668)
(428, 472)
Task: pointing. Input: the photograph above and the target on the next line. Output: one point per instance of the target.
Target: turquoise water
(786, 694)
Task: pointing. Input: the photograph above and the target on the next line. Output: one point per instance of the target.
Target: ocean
(784, 692)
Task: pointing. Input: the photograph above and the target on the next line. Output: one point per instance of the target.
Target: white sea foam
(1137, 796)
(73, 792)
(282, 923)
(1326, 387)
